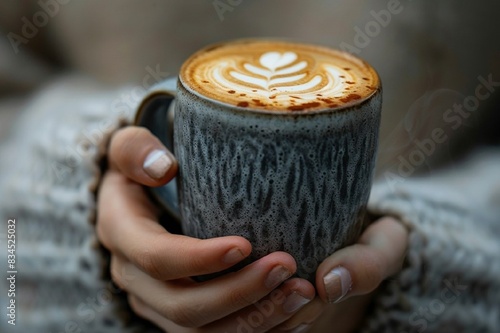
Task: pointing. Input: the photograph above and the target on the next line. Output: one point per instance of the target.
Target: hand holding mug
(154, 266)
(156, 272)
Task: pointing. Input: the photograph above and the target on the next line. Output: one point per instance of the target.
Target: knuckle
(101, 233)
(149, 261)
(182, 315)
(105, 223)
(116, 274)
(239, 298)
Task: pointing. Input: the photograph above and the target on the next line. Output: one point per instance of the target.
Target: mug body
(294, 182)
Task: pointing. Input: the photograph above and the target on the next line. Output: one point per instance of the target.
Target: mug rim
(248, 110)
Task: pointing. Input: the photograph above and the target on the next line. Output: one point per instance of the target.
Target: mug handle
(156, 113)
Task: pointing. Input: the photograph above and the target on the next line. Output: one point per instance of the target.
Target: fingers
(267, 313)
(140, 156)
(127, 226)
(360, 268)
(262, 316)
(257, 320)
(192, 304)
(146, 312)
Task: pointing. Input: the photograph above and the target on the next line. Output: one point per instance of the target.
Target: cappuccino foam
(279, 76)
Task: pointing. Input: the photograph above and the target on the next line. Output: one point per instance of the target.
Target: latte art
(269, 78)
(279, 76)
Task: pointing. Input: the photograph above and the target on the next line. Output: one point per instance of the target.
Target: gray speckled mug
(276, 142)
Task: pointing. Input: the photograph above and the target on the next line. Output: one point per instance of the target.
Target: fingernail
(293, 302)
(157, 164)
(301, 328)
(337, 283)
(233, 256)
(276, 276)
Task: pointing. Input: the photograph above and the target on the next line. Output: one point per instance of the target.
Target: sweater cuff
(449, 282)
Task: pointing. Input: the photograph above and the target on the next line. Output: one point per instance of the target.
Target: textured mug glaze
(295, 182)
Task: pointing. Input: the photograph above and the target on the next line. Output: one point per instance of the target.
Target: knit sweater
(452, 273)
(51, 168)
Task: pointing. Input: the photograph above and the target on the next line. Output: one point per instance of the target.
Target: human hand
(348, 278)
(154, 266)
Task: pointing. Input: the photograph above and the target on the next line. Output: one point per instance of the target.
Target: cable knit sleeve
(451, 279)
(50, 169)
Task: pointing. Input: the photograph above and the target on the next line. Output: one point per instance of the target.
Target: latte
(279, 76)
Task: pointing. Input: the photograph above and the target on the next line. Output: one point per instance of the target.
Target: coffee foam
(279, 76)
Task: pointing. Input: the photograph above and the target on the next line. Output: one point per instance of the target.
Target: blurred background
(428, 54)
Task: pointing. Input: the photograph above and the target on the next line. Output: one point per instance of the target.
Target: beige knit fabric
(451, 280)
(50, 172)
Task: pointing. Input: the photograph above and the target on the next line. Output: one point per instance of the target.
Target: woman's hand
(154, 266)
(348, 278)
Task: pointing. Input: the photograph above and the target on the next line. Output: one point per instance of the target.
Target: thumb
(359, 269)
(141, 157)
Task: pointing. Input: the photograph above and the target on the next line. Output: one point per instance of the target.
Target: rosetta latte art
(279, 76)
(271, 79)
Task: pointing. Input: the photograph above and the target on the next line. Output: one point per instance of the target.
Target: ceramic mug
(287, 181)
